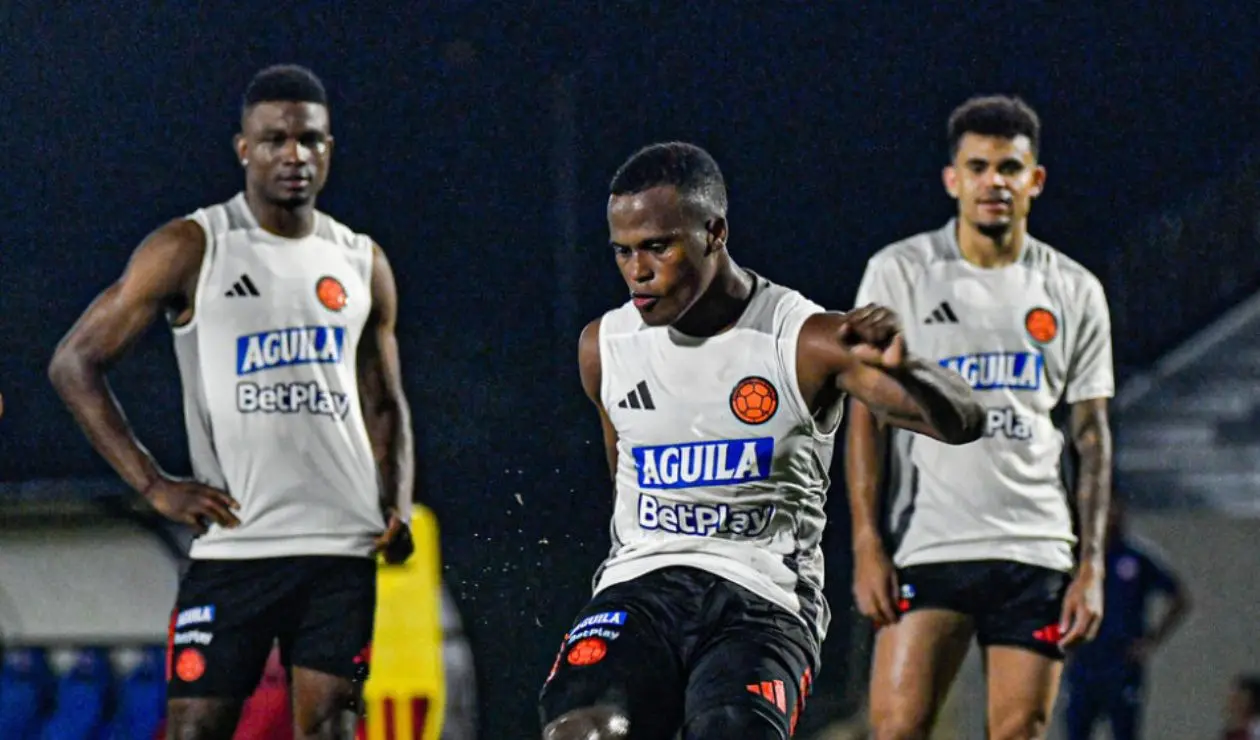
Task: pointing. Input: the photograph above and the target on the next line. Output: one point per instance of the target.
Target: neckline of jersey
(950, 234)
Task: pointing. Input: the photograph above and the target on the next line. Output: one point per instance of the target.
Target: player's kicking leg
(750, 679)
(617, 675)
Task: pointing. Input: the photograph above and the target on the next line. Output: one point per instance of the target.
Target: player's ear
(1038, 181)
(242, 150)
(718, 232)
(949, 176)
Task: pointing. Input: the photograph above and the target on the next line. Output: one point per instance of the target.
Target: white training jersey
(720, 465)
(1025, 337)
(271, 397)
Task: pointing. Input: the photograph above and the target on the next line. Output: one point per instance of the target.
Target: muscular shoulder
(589, 364)
(174, 250)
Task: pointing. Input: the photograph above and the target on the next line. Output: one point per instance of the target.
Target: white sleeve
(1090, 372)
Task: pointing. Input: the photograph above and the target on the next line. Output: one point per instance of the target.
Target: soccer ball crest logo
(754, 400)
(331, 293)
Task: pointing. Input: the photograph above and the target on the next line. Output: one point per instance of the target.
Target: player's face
(286, 149)
(664, 250)
(994, 180)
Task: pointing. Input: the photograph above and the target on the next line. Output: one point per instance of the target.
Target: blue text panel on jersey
(722, 462)
(297, 345)
(992, 371)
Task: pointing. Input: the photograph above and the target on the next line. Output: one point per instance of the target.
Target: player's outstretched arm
(864, 354)
(592, 376)
(161, 276)
(386, 413)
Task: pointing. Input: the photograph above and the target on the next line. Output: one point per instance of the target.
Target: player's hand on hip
(395, 543)
(1082, 608)
(873, 334)
(875, 587)
(192, 503)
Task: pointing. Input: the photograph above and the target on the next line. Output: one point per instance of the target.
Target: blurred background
(475, 141)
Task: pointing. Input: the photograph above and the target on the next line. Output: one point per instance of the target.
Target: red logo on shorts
(362, 661)
(1050, 633)
(190, 665)
(588, 652)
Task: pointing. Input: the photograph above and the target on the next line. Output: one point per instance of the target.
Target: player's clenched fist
(873, 335)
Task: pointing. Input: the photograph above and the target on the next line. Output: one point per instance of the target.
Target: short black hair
(687, 167)
(994, 115)
(290, 83)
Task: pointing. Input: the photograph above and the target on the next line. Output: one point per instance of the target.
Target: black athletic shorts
(676, 642)
(1013, 604)
(230, 613)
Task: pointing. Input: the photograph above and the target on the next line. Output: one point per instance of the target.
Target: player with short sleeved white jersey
(980, 536)
(719, 396)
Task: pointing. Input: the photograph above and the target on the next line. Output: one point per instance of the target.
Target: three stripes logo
(771, 691)
(243, 288)
(639, 398)
(775, 693)
(942, 314)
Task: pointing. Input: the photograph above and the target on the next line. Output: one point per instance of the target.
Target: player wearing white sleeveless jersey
(719, 394)
(978, 540)
(283, 323)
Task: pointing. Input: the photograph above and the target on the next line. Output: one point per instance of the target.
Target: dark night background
(475, 141)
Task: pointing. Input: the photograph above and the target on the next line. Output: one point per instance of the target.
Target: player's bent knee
(201, 719)
(743, 722)
(1025, 725)
(590, 723)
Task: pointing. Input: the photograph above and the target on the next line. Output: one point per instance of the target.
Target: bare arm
(1083, 602)
(161, 275)
(875, 587)
(592, 375)
(901, 390)
(1091, 435)
(864, 451)
(386, 412)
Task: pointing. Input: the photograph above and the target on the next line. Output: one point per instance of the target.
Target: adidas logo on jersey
(942, 314)
(723, 462)
(243, 288)
(639, 398)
